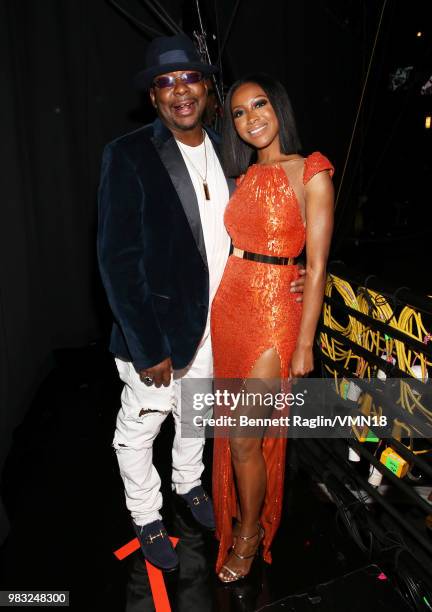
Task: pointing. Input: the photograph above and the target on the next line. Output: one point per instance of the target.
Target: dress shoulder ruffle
(314, 163)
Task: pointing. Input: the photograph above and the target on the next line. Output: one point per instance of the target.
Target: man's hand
(297, 286)
(160, 373)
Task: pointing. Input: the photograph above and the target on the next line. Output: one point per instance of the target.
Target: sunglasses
(187, 78)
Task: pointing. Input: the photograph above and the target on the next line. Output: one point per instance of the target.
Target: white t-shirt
(216, 239)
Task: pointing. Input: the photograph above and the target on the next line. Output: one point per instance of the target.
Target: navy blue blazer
(151, 249)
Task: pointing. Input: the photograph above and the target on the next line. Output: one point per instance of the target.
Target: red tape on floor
(157, 583)
(127, 549)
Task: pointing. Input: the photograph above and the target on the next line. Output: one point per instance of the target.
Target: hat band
(172, 57)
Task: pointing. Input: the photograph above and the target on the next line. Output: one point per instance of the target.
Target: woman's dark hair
(237, 154)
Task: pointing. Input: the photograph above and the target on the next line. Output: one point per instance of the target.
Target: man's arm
(121, 262)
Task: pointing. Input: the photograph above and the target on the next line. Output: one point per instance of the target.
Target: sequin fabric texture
(254, 311)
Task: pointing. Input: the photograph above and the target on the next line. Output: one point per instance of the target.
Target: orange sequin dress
(254, 311)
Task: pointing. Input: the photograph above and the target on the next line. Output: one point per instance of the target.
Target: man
(162, 248)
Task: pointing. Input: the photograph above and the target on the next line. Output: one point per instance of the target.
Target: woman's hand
(301, 362)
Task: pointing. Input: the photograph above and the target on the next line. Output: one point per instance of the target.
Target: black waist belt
(270, 259)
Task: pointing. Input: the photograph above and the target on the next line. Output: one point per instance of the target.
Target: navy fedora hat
(169, 54)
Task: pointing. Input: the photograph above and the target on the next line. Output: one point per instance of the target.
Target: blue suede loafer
(156, 545)
(201, 506)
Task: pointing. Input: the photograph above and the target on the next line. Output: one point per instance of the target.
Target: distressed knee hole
(118, 446)
(145, 411)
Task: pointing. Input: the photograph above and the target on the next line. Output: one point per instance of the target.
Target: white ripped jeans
(136, 429)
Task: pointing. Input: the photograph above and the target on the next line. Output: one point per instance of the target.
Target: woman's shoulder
(314, 163)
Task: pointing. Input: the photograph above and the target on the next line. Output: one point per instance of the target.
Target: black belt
(270, 259)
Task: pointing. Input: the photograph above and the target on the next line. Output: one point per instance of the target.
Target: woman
(259, 330)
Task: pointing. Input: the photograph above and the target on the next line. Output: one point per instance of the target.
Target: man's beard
(186, 128)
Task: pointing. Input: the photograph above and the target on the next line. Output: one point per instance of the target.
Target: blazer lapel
(231, 185)
(173, 161)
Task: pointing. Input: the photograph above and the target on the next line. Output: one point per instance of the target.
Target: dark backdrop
(66, 68)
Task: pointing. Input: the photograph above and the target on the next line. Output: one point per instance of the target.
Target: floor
(65, 501)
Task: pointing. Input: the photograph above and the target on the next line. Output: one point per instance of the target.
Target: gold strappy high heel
(237, 575)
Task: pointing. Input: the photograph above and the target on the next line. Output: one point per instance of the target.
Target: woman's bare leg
(250, 470)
